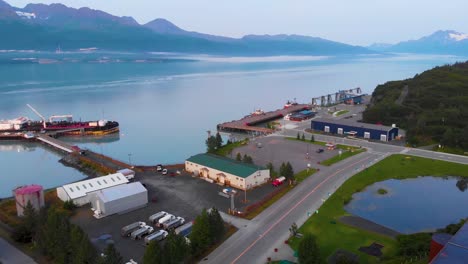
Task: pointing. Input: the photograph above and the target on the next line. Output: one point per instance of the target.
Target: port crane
(44, 121)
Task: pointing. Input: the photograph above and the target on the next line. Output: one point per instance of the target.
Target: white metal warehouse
(79, 192)
(119, 199)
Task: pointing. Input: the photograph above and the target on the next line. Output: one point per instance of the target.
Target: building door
(383, 138)
(340, 131)
(366, 134)
(327, 129)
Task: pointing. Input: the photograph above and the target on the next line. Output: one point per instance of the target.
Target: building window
(99, 182)
(112, 179)
(327, 129)
(104, 181)
(90, 185)
(118, 178)
(71, 189)
(78, 188)
(84, 186)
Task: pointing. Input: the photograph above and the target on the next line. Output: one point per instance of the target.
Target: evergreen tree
(153, 253)
(211, 144)
(81, 250)
(219, 140)
(216, 225)
(111, 256)
(312, 138)
(238, 157)
(56, 232)
(303, 137)
(247, 159)
(282, 169)
(176, 250)
(298, 137)
(270, 167)
(308, 252)
(25, 231)
(200, 238)
(288, 171)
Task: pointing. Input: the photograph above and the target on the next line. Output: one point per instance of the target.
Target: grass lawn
(341, 157)
(341, 112)
(228, 148)
(332, 235)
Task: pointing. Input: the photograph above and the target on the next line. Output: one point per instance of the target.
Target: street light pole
(130, 159)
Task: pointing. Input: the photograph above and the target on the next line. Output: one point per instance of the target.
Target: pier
(55, 143)
(247, 124)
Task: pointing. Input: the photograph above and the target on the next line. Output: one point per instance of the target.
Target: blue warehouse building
(352, 128)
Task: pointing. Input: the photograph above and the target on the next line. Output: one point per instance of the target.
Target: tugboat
(290, 103)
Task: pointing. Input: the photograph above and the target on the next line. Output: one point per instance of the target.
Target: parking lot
(181, 195)
(277, 150)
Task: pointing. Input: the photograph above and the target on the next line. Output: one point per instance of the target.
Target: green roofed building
(226, 171)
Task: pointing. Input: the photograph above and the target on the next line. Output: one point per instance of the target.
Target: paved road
(256, 242)
(11, 255)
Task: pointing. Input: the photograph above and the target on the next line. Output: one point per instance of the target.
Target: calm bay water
(412, 205)
(165, 108)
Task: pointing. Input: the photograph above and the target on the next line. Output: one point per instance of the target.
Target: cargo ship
(63, 124)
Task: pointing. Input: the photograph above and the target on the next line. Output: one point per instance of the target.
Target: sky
(357, 22)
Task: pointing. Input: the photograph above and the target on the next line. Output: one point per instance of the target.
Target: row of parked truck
(163, 220)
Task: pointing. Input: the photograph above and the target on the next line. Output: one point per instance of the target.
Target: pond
(412, 205)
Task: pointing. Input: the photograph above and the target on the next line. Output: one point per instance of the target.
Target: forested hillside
(431, 106)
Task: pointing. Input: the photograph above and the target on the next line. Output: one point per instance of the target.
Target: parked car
(164, 171)
(320, 150)
(159, 167)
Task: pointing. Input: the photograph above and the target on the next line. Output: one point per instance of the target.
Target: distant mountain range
(440, 42)
(47, 27)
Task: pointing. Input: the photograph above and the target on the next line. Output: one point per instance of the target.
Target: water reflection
(413, 205)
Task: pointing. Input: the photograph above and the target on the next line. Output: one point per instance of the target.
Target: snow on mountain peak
(458, 36)
(26, 15)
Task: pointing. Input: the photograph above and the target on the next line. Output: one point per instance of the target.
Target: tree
(211, 144)
(238, 157)
(282, 169)
(69, 205)
(303, 137)
(288, 171)
(81, 250)
(200, 238)
(219, 140)
(270, 167)
(176, 249)
(25, 231)
(293, 229)
(111, 256)
(153, 253)
(308, 252)
(247, 159)
(298, 137)
(312, 138)
(216, 225)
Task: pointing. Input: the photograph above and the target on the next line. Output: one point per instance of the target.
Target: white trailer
(127, 230)
(154, 218)
(166, 218)
(158, 236)
(137, 234)
(174, 223)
